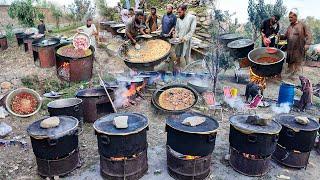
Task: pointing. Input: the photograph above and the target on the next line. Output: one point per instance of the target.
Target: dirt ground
(19, 163)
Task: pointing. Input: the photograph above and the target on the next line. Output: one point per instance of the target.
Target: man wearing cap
(299, 39)
(270, 27)
(168, 23)
(91, 30)
(134, 26)
(185, 28)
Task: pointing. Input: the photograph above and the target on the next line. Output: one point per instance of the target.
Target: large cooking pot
(295, 136)
(140, 65)
(253, 139)
(156, 94)
(240, 48)
(228, 37)
(113, 142)
(68, 107)
(269, 69)
(54, 143)
(195, 141)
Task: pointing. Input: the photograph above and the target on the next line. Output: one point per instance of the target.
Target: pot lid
(209, 126)
(67, 124)
(2, 36)
(240, 43)
(239, 122)
(118, 25)
(47, 42)
(289, 121)
(94, 92)
(136, 123)
(230, 36)
(64, 103)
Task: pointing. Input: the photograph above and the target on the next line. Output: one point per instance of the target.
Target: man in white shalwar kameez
(185, 28)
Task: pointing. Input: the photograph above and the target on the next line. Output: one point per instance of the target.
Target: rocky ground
(19, 162)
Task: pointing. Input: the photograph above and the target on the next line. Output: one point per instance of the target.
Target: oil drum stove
(3, 43)
(56, 149)
(28, 40)
(123, 152)
(95, 103)
(44, 52)
(20, 36)
(295, 141)
(251, 146)
(189, 148)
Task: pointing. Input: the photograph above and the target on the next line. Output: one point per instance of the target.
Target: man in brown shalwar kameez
(299, 40)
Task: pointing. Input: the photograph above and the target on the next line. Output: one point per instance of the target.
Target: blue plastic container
(286, 94)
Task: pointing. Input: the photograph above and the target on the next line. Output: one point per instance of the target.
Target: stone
(206, 22)
(202, 19)
(6, 85)
(193, 121)
(5, 129)
(50, 122)
(204, 35)
(121, 122)
(302, 120)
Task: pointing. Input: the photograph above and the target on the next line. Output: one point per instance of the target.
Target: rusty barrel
(44, 52)
(3, 43)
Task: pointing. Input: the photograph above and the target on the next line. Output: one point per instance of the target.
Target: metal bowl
(262, 69)
(12, 94)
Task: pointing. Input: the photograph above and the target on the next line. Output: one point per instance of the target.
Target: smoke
(235, 103)
(282, 108)
(120, 98)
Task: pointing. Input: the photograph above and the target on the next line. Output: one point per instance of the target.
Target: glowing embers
(249, 164)
(64, 71)
(187, 167)
(261, 81)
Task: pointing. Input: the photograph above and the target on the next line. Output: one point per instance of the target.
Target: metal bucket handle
(252, 138)
(212, 138)
(52, 142)
(290, 133)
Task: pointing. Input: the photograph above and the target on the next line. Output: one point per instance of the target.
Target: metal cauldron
(266, 69)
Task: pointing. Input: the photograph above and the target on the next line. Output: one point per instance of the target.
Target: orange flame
(66, 65)
(131, 91)
(261, 81)
(188, 157)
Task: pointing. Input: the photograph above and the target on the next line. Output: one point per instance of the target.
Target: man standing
(124, 15)
(185, 28)
(91, 30)
(152, 20)
(270, 27)
(42, 27)
(169, 21)
(299, 40)
(134, 26)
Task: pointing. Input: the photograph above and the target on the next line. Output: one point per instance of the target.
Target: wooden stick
(104, 87)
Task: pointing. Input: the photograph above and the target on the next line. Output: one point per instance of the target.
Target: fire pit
(56, 149)
(95, 103)
(251, 146)
(152, 53)
(123, 152)
(189, 148)
(295, 141)
(160, 96)
(3, 42)
(69, 61)
(44, 52)
(264, 64)
(28, 40)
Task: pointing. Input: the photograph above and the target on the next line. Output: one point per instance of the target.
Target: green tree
(258, 11)
(81, 9)
(56, 13)
(107, 12)
(24, 11)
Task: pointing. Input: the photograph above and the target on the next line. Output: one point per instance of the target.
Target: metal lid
(136, 123)
(2, 36)
(94, 92)
(67, 124)
(118, 25)
(239, 122)
(63, 103)
(209, 126)
(240, 43)
(230, 36)
(289, 121)
(46, 42)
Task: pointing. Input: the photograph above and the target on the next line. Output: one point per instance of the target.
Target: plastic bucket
(286, 94)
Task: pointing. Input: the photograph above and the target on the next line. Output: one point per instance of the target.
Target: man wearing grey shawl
(185, 28)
